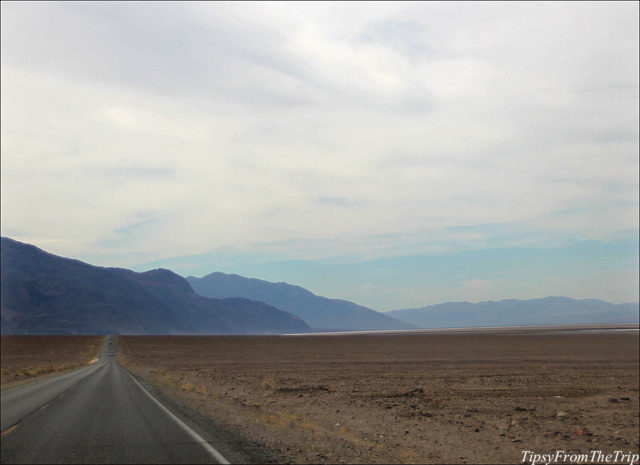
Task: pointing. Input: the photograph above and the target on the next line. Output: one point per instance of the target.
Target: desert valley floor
(412, 398)
(386, 398)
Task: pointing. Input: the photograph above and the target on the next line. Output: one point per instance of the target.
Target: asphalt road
(99, 414)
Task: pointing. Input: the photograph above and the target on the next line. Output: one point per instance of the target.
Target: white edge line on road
(216, 455)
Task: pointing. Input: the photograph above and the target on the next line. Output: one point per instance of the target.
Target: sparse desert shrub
(268, 383)
(187, 386)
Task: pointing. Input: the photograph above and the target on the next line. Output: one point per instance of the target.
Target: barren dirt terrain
(413, 398)
(25, 358)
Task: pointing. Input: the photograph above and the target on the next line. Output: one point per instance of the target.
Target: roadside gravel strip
(214, 453)
(98, 414)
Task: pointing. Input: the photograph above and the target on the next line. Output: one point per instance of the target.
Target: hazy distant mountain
(547, 311)
(46, 294)
(319, 312)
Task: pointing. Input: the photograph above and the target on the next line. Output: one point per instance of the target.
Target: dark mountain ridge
(512, 312)
(319, 312)
(43, 293)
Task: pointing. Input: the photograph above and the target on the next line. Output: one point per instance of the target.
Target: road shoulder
(230, 444)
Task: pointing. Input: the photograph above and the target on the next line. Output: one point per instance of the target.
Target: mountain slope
(319, 312)
(546, 311)
(47, 294)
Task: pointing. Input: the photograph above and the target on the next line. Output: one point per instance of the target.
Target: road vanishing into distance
(98, 414)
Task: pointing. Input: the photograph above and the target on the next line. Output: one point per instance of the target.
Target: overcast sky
(394, 154)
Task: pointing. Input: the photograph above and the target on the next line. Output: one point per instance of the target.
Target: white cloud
(221, 124)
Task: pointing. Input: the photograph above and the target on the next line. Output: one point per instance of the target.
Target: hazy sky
(394, 154)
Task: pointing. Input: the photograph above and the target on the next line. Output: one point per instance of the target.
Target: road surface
(98, 414)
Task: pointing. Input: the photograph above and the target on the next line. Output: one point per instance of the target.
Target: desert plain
(474, 397)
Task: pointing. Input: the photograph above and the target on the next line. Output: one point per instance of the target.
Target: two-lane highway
(99, 414)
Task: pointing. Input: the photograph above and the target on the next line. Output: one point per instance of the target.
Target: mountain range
(546, 311)
(319, 312)
(47, 294)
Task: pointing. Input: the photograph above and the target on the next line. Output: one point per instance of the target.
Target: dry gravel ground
(25, 358)
(412, 398)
